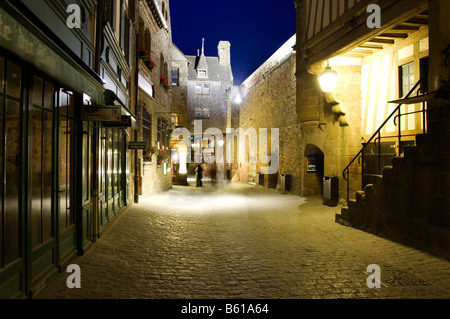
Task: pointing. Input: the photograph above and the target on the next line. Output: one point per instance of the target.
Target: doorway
(313, 171)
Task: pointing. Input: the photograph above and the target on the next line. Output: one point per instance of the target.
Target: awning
(111, 98)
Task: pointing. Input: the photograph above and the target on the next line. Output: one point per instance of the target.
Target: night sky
(255, 29)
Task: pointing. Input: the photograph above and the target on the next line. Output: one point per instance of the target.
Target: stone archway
(313, 170)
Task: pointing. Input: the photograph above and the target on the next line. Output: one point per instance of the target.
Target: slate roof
(216, 71)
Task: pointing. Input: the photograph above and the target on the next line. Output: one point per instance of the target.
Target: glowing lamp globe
(328, 80)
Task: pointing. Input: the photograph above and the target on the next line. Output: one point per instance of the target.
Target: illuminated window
(146, 128)
(175, 77)
(163, 137)
(206, 113)
(198, 113)
(406, 78)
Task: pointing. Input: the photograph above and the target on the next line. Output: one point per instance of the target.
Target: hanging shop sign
(102, 113)
(125, 121)
(137, 145)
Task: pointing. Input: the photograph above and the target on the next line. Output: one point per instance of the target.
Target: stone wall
(269, 101)
(334, 128)
(215, 101)
(179, 92)
(311, 124)
(158, 104)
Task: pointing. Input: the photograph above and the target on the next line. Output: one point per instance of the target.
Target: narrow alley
(246, 242)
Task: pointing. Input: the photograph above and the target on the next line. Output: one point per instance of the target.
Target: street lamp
(328, 79)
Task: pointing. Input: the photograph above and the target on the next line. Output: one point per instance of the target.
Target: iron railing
(377, 137)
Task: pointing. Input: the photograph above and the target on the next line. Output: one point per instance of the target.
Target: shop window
(10, 159)
(66, 140)
(41, 169)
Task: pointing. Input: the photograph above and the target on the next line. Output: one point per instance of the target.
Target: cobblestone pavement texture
(247, 242)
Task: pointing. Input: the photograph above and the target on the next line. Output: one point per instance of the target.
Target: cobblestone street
(247, 242)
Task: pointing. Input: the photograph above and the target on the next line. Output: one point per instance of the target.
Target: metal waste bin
(330, 191)
(285, 182)
(259, 179)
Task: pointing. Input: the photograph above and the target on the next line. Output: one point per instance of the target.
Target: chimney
(224, 53)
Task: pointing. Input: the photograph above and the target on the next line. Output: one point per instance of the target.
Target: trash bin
(259, 179)
(330, 190)
(285, 182)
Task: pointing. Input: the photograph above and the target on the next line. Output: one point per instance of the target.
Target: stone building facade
(63, 158)
(396, 179)
(154, 97)
(269, 101)
(203, 101)
(314, 140)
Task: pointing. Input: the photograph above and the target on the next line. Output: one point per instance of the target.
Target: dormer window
(202, 74)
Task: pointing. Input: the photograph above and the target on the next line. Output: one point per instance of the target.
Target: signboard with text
(125, 121)
(102, 113)
(137, 145)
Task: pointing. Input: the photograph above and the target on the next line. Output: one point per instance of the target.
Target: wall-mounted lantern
(328, 79)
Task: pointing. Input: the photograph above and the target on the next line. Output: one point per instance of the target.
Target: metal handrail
(377, 136)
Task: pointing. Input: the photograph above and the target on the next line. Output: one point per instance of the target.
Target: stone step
(424, 139)
(398, 161)
(345, 217)
(352, 205)
(360, 195)
(411, 152)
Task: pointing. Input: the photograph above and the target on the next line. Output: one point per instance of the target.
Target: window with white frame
(202, 74)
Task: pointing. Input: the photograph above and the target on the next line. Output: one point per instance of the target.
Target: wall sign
(137, 145)
(125, 121)
(102, 113)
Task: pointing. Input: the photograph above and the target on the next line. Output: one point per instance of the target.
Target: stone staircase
(410, 201)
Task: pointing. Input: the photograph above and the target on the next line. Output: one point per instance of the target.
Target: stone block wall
(269, 101)
(337, 136)
(179, 92)
(154, 180)
(159, 105)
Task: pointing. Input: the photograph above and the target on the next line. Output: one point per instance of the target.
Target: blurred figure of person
(213, 174)
(199, 175)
